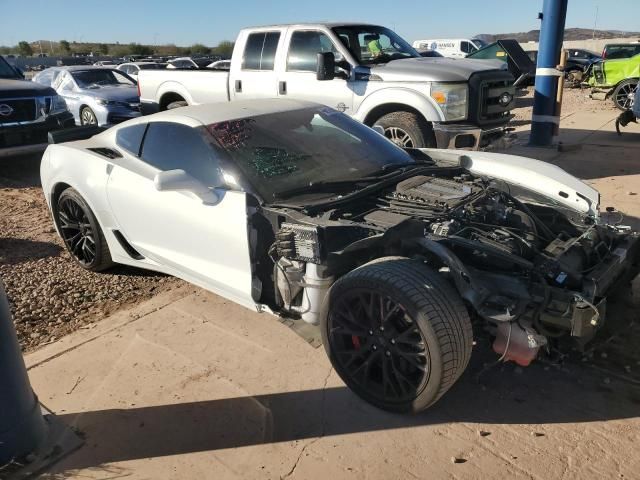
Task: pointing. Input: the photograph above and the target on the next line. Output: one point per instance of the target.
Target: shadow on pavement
(20, 171)
(504, 396)
(18, 250)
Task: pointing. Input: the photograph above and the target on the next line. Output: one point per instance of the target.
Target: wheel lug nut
(382, 329)
(375, 347)
(370, 332)
(393, 341)
(387, 353)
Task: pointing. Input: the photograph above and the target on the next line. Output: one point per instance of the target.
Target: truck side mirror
(326, 69)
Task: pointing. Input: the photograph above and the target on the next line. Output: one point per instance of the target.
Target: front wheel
(407, 130)
(624, 94)
(397, 334)
(87, 117)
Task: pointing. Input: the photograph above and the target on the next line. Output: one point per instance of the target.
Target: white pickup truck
(365, 71)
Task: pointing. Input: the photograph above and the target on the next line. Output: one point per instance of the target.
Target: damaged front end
(531, 267)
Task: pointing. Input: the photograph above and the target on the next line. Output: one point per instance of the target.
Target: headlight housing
(58, 105)
(452, 99)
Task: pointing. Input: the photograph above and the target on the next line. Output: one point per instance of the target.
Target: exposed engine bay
(532, 269)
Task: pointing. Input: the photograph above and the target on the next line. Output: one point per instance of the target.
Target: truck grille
(20, 110)
(485, 92)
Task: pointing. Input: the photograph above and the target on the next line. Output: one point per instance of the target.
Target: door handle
(282, 88)
(238, 86)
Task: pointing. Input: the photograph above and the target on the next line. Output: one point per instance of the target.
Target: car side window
(304, 49)
(260, 51)
(465, 47)
(172, 146)
(130, 138)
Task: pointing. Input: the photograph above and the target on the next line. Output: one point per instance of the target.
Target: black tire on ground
(623, 94)
(87, 117)
(407, 129)
(424, 344)
(81, 232)
(177, 104)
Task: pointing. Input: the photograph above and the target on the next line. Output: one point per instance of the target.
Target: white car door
(298, 76)
(253, 75)
(206, 244)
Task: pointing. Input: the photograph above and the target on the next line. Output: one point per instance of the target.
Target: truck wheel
(407, 130)
(624, 94)
(87, 117)
(81, 232)
(397, 334)
(178, 104)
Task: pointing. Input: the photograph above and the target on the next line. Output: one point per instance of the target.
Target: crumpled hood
(124, 93)
(23, 88)
(428, 69)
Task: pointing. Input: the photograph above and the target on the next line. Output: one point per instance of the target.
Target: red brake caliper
(356, 341)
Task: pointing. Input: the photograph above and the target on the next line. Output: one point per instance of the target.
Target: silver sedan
(95, 95)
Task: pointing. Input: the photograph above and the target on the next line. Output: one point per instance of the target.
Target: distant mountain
(569, 34)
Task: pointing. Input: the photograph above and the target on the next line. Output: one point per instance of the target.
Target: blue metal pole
(545, 116)
(22, 426)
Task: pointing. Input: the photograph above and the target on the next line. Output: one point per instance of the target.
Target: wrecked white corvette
(296, 209)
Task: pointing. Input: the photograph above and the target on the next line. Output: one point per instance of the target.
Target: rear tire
(81, 232)
(177, 104)
(407, 130)
(623, 95)
(397, 334)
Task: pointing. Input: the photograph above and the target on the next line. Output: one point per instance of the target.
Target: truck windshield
(370, 44)
(290, 150)
(6, 71)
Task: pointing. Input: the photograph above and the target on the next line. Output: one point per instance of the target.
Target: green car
(620, 76)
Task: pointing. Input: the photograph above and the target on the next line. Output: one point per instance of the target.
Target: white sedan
(296, 209)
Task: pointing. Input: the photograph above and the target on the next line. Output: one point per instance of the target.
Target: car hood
(23, 88)
(545, 179)
(431, 69)
(122, 93)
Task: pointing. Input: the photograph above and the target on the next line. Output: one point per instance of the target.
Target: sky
(186, 22)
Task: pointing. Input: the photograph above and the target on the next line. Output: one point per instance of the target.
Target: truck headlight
(58, 105)
(452, 99)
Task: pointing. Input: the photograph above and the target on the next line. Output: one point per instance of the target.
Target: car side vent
(106, 152)
(132, 252)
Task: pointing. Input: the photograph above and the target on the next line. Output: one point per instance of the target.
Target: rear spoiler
(74, 133)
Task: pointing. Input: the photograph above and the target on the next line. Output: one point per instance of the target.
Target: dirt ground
(50, 296)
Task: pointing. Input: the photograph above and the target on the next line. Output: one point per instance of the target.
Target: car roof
(314, 25)
(209, 113)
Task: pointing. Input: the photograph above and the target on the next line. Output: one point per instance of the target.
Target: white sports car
(296, 209)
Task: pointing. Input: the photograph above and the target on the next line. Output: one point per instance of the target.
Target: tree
(25, 49)
(65, 46)
(137, 49)
(224, 49)
(199, 49)
(103, 48)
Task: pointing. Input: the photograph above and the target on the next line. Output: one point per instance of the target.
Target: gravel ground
(49, 294)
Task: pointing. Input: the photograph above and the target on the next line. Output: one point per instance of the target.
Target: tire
(81, 232)
(177, 104)
(87, 117)
(407, 130)
(426, 334)
(623, 94)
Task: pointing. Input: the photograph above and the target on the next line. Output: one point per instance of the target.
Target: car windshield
(290, 150)
(98, 78)
(6, 71)
(370, 44)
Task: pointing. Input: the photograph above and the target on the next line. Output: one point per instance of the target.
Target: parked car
(417, 101)
(133, 68)
(182, 63)
(612, 51)
(294, 208)
(28, 112)
(452, 47)
(95, 95)
(619, 78)
(220, 65)
(105, 63)
(632, 114)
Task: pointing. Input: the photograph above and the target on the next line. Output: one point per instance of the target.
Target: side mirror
(181, 181)
(326, 66)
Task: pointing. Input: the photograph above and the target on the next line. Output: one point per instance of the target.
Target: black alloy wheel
(81, 232)
(624, 94)
(379, 346)
(397, 333)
